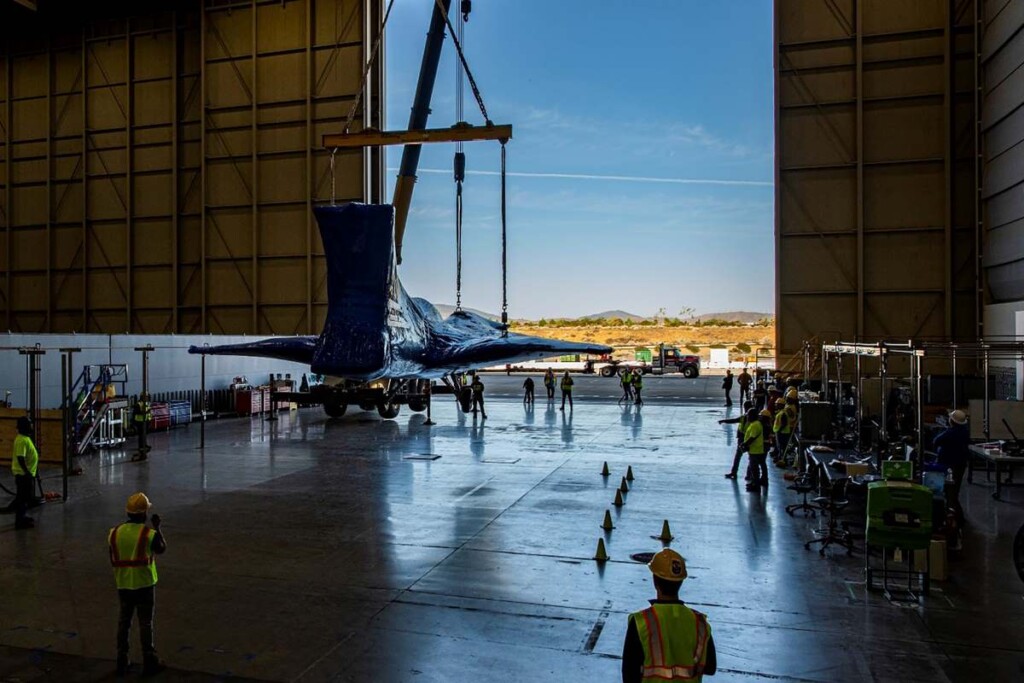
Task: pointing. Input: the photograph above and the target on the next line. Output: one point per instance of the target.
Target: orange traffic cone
(618, 499)
(607, 523)
(666, 533)
(629, 473)
(601, 555)
(624, 487)
(604, 470)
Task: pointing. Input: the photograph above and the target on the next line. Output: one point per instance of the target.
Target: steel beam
(128, 192)
(254, 175)
(310, 163)
(458, 133)
(85, 181)
(9, 117)
(175, 158)
(859, 58)
(948, 105)
(203, 327)
(49, 183)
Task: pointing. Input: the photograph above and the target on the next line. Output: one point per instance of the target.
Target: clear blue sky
(658, 91)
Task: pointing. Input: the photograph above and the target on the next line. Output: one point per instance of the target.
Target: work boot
(731, 475)
(123, 665)
(152, 665)
(139, 457)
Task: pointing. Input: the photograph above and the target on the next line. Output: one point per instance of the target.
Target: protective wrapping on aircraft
(374, 329)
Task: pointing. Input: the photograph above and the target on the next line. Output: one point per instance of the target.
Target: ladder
(99, 404)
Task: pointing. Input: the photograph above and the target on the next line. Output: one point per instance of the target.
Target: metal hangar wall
(877, 170)
(1002, 125)
(158, 161)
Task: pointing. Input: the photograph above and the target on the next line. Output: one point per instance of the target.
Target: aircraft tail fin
(359, 243)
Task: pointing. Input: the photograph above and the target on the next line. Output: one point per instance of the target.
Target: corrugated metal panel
(158, 169)
(1003, 128)
(875, 155)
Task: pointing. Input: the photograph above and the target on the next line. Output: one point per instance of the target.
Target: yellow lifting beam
(458, 133)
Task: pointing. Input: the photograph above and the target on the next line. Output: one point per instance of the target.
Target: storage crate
(181, 412)
(161, 416)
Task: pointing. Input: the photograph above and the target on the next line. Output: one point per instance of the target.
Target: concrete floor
(316, 550)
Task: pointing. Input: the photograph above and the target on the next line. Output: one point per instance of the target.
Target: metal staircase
(100, 406)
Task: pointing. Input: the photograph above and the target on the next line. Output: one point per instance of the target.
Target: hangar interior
(159, 168)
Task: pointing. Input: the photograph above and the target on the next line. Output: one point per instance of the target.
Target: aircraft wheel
(417, 405)
(335, 408)
(388, 411)
(466, 399)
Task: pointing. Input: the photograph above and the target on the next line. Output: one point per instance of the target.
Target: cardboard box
(937, 570)
(855, 468)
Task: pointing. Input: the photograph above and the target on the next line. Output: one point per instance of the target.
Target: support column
(146, 404)
(68, 413)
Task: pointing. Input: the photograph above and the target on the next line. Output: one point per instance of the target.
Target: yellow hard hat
(765, 413)
(780, 402)
(137, 504)
(669, 565)
(792, 393)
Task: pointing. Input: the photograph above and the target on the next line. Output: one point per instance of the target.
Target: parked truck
(666, 360)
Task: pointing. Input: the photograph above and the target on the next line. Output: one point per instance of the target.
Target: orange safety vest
(675, 639)
(137, 570)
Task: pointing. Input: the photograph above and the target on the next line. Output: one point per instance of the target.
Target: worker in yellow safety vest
(478, 395)
(626, 382)
(24, 466)
(741, 429)
(782, 428)
(566, 390)
(143, 413)
(668, 641)
(549, 383)
(758, 424)
(133, 549)
(638, 386)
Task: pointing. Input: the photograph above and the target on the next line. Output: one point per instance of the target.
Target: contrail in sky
(623, 178)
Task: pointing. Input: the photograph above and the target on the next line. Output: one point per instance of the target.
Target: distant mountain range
(740, 316)
(623, 315)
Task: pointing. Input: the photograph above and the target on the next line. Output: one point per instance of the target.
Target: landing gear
(418, 405)
(335, 408)
(388, 410)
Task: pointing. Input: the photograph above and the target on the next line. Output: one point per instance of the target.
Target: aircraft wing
(471, 342)
(295, 349)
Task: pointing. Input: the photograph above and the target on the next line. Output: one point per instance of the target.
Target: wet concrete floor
(359, 549)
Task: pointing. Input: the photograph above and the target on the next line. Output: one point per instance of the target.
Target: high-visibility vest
(131, 555)
(782, 422)
(143, 413)
(567, 384)
(793, 416)
(675, 640)
(627, 379)
(24, 448)
(638, 381)
(741, 427)
(756, 432)
(549, 380)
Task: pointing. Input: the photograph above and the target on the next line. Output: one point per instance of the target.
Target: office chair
(803, 484)
(833, 506)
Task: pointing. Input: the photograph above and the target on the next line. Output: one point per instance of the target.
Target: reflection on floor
(308, 549)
